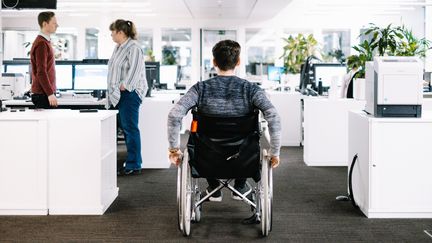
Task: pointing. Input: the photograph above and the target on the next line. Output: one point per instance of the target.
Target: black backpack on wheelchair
(224, 148)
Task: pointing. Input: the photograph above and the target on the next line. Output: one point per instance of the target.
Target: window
(336, 44)
(145, 40)
(91, 47)
(177, 51)
(261, 47)
(209, 38)
(18, 43)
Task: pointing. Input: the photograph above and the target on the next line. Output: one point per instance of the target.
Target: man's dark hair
(45, 17)
(226, 54)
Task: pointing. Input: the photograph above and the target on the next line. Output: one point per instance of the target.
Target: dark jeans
(238, 183)
(40, 101)
(128, 107)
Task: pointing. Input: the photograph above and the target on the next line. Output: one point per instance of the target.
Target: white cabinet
(391, 177)
(57, 162)
(82, 171)
(153, 117)
(326, 130)
(288, 105)
(23, 165)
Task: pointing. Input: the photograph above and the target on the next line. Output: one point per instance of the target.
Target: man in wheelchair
(224, 96)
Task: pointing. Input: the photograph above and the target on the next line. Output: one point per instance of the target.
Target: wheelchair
(225, 149)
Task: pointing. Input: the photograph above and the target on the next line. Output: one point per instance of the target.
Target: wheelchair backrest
(224, 147)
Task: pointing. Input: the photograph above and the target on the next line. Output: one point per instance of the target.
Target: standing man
(43, 63)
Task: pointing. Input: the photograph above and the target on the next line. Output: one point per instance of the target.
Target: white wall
(428, 35)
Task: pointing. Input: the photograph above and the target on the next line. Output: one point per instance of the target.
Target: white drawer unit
(391, 177)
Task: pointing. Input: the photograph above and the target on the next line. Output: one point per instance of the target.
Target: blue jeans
(128, 107)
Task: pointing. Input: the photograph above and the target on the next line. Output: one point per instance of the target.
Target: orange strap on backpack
(194, 126)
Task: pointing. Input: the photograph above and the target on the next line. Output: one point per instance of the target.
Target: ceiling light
(105, 4)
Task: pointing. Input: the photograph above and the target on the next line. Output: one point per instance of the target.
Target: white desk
(153, 116)
(57, 162)
(63, 103)
(82, 162)
(326, 130)
(288, 105)
(391, 178)
(427, 104)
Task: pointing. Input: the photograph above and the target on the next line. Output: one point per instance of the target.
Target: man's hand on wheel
(175, 156)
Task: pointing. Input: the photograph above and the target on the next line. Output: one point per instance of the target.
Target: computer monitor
(64, 74)
(152, 76)
(274, 73)
(325, 72)
(168, 75)
(90, 77)
(17, 68)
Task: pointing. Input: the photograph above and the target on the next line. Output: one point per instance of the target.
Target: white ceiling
(189, 9)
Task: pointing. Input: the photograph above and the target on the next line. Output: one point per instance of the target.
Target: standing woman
(127, 86)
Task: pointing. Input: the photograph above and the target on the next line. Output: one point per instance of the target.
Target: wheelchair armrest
(263, 127)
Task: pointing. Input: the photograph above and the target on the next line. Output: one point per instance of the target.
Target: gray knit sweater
(225, 96)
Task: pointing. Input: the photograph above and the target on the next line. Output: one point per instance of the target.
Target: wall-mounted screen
(90, 77)
(29, 4)
(64, 77)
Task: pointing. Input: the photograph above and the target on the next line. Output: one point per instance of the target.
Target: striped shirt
(126, 66)
(225, 96)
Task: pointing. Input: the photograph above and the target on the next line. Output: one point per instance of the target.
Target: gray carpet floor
(305, 210)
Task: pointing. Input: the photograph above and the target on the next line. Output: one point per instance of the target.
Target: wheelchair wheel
(270, 173)
(196, 197)
(266, 197)
(179, 205)
(186, 195)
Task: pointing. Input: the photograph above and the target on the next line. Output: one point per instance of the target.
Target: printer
(12, 85)
(394, 87)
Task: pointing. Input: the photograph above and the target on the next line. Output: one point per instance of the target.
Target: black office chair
(350, 89)
(224, 148)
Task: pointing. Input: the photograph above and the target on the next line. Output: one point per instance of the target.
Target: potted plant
(357, 62)
(149, 56)
(384, 40)
(410, 45)
(387, 41)
(296, 50)
(335, 55)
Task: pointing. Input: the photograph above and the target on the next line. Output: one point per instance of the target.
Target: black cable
(351, 194)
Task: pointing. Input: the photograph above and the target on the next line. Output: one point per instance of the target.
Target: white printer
(394, 87)
(11, 85)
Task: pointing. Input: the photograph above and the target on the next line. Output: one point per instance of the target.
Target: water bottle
(320, 88)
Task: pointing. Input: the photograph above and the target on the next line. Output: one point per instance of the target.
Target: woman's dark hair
(226, 54)
(126, 26)
(45, 17)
